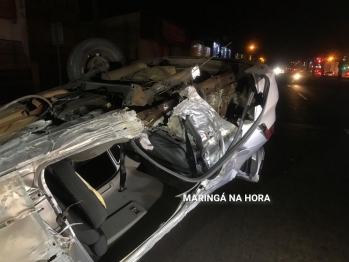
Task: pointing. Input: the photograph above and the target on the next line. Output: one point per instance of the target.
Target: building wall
(44, 57)
(15, 73)
(149, 49)
(126, 31)
(123, 30)
(16, 30)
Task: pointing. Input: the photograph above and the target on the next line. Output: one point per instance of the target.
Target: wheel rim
(94, 60)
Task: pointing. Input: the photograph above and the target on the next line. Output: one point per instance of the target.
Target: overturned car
(109, 159)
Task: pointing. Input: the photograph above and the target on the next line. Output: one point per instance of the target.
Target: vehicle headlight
(195, 72)
(277, 70)
(297, 76)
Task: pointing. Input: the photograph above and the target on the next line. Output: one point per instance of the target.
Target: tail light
(267, 131)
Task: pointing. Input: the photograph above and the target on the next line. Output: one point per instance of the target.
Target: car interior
(115, 192)
(89, 192)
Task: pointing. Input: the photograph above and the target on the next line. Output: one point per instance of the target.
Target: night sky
(280, 29)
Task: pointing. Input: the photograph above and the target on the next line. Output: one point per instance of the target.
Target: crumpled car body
(198, 122)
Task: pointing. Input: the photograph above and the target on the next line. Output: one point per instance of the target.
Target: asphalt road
(306, 177)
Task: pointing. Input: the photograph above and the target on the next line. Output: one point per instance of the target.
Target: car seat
(87, 205)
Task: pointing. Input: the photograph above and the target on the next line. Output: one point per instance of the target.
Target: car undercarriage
(108, 150)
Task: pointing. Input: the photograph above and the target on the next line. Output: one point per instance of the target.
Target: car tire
(99, 49)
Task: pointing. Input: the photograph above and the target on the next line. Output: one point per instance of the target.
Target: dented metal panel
(214, 133)
(69, 137)
(221, 98)
(217, 82)
(151, 115)
(138, 97)
(21, 227)
(24, 227)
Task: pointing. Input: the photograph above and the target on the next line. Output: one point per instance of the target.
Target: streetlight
(262, 59)
(329, 59)
(251, 48)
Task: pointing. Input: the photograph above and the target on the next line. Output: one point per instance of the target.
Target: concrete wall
(16, 30)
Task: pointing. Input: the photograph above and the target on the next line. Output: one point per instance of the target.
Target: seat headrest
(67, 186)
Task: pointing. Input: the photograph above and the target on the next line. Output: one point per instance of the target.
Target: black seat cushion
(65, 184)
(99, 247)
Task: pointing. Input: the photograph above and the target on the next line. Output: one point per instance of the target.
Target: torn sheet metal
(23, 236)
(219, 90)
(138, 97)
(214, 133)
(13, 203)
(120, 125)
(176, 128)
(171, 81)
(217, 82)
(74, 105)
(221, 98)
(152, 115)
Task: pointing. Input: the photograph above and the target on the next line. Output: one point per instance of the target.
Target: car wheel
(90, 53)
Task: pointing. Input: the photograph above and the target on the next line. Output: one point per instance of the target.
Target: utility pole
(340, 68)
(323, 61)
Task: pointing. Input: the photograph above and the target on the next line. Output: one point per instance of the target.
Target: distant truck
(331, 67)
